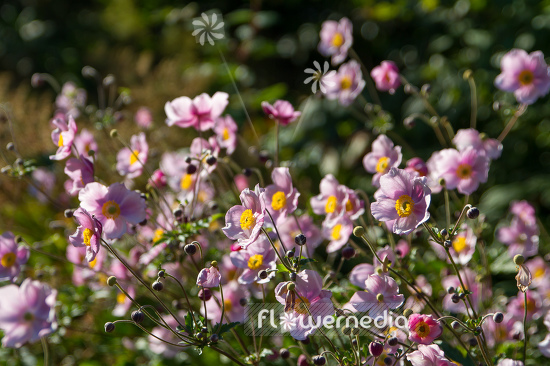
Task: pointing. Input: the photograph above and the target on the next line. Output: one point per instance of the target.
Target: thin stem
(370, 85)
(276, 251)
(277, 231)
(46, 351)
(473, 98)
(447, 208)
(522, 108)
(227, 355)
(185, 294)
(223, 310)
(524, 326)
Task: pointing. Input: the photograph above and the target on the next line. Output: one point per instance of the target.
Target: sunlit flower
(83, 269)
(386, 76)
(202, 150)
(63, 137)
(12, 257)
(382, 158)
(289, 229)
(226, 133)
(417, 166)
(281, 198)
(463, 246)
(244, 222)
(130, 161)
(381, 293)
(209, 277)
(471, 137)
(521, 238)
(84, 142)
(477, 292)
(282, 111)
(346, 84)
(337, 232)
(509, 362)
(360, 273)
(524, 211)
(332, 199)
(336, 39)
(80, 172)
(424, 329)
(88, 233)
(257, 257)
(430, 355)
(539, 270)
(416, 302)
(516, 307)
(200, 112)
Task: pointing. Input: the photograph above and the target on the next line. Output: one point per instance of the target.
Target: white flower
(208, 28)
(318, 77)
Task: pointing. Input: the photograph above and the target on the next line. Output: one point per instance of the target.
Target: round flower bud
(388, 361)
(157, 286)
(497, 106)
(319, 360)
(138, 316)
(113, 133)
(408, 88)
(376, 348)
(285, 353)
(247, 172)
(37, 80)
(380, 297)
(519, 259)
(293, 276)
(451, 290)
(462, 296)
(214, 338)
(89, 72)
(409, 122)
(68, 213)
(358, 231)
(407, 312)
(262, 274)
(426, 88)
(204, 330)
(214, 264)
(199, 336)
(111, 281)
(392, 341)
(291, 286)
(448, 244)
(211, 160)
(178, 212)
(161, 273)
(455, 298)
(498, 317)
(290, 253)
(205, 294)
(263, 156)
(300, 239)
(190, 249)
(348, 252)
(91, 152)
(472, 342)
(455, 325)
(191, 169)
(444, 233)
(302, 361)
(354, 342)
(467, 74)
(10, 146)
(473, 213)
(243, 301)
(109, 327)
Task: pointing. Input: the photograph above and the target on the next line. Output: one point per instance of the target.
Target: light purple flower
(123, 303)
(509, 362)
(233, 292)
(71, 99)
(12, 257)
(201, 149)
(88, 233)
(130, 161)
(524, 211)
(332, 199)
(360, 273)
(257, 257)
(282, 111)
(540, 270)
(308, 302)
(289, 229)
(114, 206)
(158, 179)
(281, 198)
(44, 179)
(336, 39)
(403, 198)
(81, 274)
(535, 308)
(162, 348)
(386, 76)
(382, 158)
(209, 277)
(143, 117)
(80, 172)
(226, 133)
(244, 222)
(415, 301)
(476, 295)
(424, 329)
(63, 137)
(521, 238)
(27, 313)
(346, 84)
(354, 206)
(175, 170)
(462, 249)
(337, 232)
(84, 142)
(417, 166)
(430, 355)
(498, 333)
(471, 137)
(200, 112)
(525, 75)
(464, 170)
(380, 294)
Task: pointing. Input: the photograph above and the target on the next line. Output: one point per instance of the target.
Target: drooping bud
(138, 316)
(376, 348)
(358, 231)
(205, 294)
(157, 286)
(498, 317)
(109, 327)
(111, 281)
(319, 360)
(190, 249)
(473, 213)
(348, 252)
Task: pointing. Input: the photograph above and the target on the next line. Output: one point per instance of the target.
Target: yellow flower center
(539, 272)
(464, 171)
(525, 77)
(60, 141)
(247, 220)
(228, 305)
(225, 134)
(330, 207)
(459, 244)
(337, 40)
(134, 157)
(300, 306)
(93, 263)
(87, 236)
(8, 260)
(336, 232)
(349, 206)
(120, 298)
(404, 206)
(422, 329)
(278, 201)
(382, 164)
(186, 181)
(255, 261)
(110, 210)
(158, 235)
(345, 83)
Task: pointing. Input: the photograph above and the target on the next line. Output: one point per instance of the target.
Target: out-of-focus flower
(200, 112)
(525, 75)
(257, 257)
(471, 137)
(130, 161)
(415, 301)
(162, 348)
(424, 329)
(71, 99)
(462, 249)
(524, 211)
(386, 76)
(84, 142)
(381, 293)
(27, 313)
(336, 39)
(417, 166)
(497, 333)
(114, 206)
(521, 238)
(289, 229)
(12, 257)
(281, 198)
(209, 277)
(476, 295)
(84, 270)
(244, 222)
(382, 158)
(80, 172)
(539, 270)
(158, 178)
(226, 133)
(202, 150)
(509, 362)
(233, 292)
(337, 232)
(403, 198)
(430, 355)
(241, 181)
(123, 303)
(143, 117)
(282, 111)
(346, 84)
(44, 180)
(360, 273)
(88, 233)
(63, 137)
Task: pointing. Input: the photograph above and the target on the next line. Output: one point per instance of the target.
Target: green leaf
(189, 326)
(455, 355)
(281, 268)
(226, 327)
(306, 261)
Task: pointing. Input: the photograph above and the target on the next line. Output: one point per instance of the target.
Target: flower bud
(214, 338)
(498, 317)
(204, 330)
(388, 361)
(37, 80)
(109, 80)
(161, 273)
(111, 281)
(109, 327)
(199, 336)
(451, 290)
(68, 213)
(291, 286)
(426, 88)
(376, 348)
(190, 249)
(262, 274)
(319, 360)
(392, 341)
(191, 169)
(205, 294)
(444, 233)
(519, 259)
(346, 330)
(247, 172)
(89, 72)
(473, 213)
(10, 146)
(290, 253)
(138, 316)
(114, 133)
(447, 244)
(358, 231)
(91, 152)
(214, 264)
(407, 312)
(300, 239)
(472, 342)
(409, 122)
(348, 252)
(157, 286)
(467, 74)
(211, 160)
(243, 301)
(380, 297)
(178, 212)
(455, 325)
(285, 353)
(455, 298)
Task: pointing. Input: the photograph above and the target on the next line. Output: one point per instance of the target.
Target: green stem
(46, 351)
(524, 326)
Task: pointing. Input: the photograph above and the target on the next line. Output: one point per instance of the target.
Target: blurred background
(148, 47)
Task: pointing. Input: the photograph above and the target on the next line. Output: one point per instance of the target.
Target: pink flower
(241, 181)
(380, 294)
(354, 206)
(115, 207)
(200, 113)
(509, 362)
(202, 149)
(12, 257)
(526, 75)
(346, 84)
(45, 180)
(209, 277)
(463, 170)
(281, 198)
(130, 161)
(77, 255)
(386, 76)
(123, 303)
(71, 99)
(424, 329)
(84, 142)
(430, 355)
(521, 238)
(27, 313)
(162, 348)
(382, 158)
(289, 229)
(226, 133)
(416, 302)
(498, 333)
(307, 300)
(80, 172)
(88, 233)
(336, 39)
(63, 137)
(176, 171)
(476, 295)
(492, 148)
(332, 199)
(158, 179)
(540, 270)
(232, 295)
(338, 232)
(403, 198)
(360, 273)
(244, 222)
(417, 166)
(257, 257)
(524, 211)
(462, 249)
(282, 111)
(516, 307)
(143, 117)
